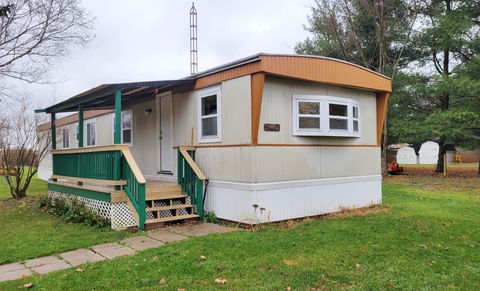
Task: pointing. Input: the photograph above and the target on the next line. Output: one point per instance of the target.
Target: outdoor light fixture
(148, 111)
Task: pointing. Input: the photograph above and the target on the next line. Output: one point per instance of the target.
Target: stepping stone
(52, 267)
(81, 256)
(13, 272)
(113, 250)
(46, 265)
(42, 261)
(166, 236)
(201, 229)
(11, 267)
(142, 242)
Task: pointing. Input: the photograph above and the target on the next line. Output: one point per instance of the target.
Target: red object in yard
(394, 168)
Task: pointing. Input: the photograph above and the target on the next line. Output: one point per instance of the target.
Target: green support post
(142, 213)
(117, 134)
(54, 130)
(80, 126)
(118, 117)
(199, 197)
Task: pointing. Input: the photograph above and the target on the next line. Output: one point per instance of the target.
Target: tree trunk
(441, 155)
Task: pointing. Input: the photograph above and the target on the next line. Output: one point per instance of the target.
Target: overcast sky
(149, 40)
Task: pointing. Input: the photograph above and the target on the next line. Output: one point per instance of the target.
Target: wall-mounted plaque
(271, 127)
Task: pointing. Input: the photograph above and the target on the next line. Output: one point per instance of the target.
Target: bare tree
(21, 149)
(35, 32)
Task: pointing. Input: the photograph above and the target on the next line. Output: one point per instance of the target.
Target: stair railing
(135, 186)
(190, 178)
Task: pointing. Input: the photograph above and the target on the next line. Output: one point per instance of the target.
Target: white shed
(428, 153)
(406, 155)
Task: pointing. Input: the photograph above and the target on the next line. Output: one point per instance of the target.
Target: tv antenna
(193, 41)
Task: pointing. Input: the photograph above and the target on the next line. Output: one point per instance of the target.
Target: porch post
(118, 117)
(117, 134)
(53, 127)
(80, 126)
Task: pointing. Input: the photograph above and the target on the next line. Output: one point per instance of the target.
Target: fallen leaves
(162, 281)
(221, 280)
(203, 258)
(79, 270)
(26, 285)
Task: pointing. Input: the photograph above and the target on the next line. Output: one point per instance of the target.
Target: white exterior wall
(291, 199)
(277, 108)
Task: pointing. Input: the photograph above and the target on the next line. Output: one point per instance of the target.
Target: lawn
(427, 237)
(26, 232)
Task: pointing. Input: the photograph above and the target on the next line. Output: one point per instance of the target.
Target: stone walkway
(108, 251)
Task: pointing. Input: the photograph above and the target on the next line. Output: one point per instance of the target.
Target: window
(325, 116)
(65, 138)
(309, 117)
(355, 117)
(209, 122)
(338, 116)
(127, 127)
(91, 133)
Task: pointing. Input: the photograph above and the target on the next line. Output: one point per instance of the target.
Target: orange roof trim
(302, 67)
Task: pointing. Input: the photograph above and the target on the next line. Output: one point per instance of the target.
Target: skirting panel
(119, 214)
(267, 202)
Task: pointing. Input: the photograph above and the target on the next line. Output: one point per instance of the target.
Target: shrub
(210, 216)
(72, 210)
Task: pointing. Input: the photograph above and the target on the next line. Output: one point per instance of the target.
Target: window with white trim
(126, 135)
(91, 132)
(65, 138)
(325, 116)
(209, 117)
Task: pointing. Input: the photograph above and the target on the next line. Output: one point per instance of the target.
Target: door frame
(159, 128)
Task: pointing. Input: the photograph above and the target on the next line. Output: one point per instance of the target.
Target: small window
(91, 133)
(209, 116)
(338, 116)
(126, 135)
(127, 127)
(309, 117)
(355, 118)
(65, 138)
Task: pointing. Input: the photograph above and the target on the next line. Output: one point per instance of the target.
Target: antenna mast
(193, 41)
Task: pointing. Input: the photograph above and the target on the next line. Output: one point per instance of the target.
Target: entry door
(166, 151)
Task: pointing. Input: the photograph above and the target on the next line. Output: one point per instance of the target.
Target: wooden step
(170, 207)
(172, 218)
(162, 196)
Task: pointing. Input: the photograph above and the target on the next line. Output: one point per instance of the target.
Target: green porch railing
(190, 178)
(135, 187)
(91, 165)
(105, 165)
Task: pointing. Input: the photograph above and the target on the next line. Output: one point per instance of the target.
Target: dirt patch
(347, 212)
(460, 177)
(456, 170)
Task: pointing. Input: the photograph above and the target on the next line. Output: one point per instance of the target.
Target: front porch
(108, 179)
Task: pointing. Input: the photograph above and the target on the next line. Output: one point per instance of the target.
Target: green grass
(36, 187)
(429, 239)
(27, 232)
